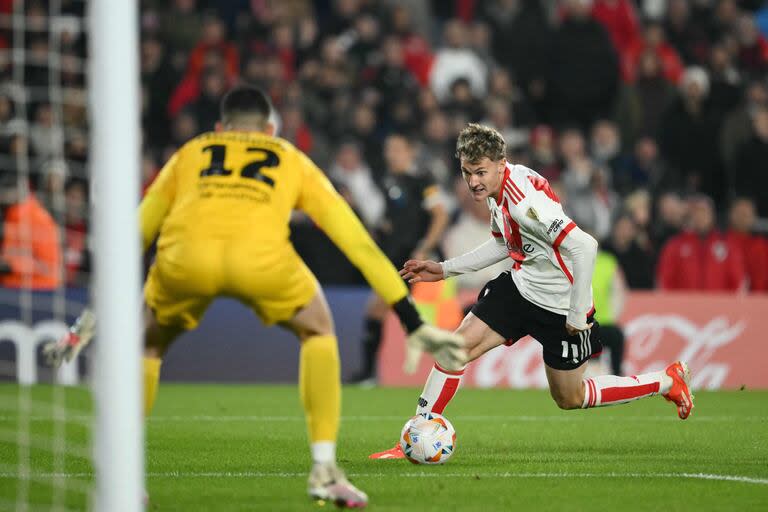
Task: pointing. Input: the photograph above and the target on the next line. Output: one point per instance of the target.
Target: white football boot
(327, 482)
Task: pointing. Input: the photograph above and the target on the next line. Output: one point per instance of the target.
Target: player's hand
(575, 330)
(73, 342)
(445, 346)
(418, 271)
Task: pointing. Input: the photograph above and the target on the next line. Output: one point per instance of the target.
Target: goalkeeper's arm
(334, 216)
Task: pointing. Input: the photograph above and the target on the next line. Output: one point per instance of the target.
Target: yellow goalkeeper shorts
(186, 277)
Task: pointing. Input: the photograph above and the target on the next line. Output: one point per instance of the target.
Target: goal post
(114, 107)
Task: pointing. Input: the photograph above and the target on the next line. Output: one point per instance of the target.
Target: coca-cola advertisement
(720, 336)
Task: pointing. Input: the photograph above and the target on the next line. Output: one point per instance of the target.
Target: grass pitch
(244, 448)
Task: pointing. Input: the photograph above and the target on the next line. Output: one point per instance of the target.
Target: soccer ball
(428, 438)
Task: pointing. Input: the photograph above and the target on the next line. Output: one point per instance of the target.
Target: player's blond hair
(477, 141)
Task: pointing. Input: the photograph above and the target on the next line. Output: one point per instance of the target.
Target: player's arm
(333, 215)
(582, 249)
(157, 202)
(486, 254)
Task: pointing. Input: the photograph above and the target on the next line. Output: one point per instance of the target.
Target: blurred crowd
(649, 117)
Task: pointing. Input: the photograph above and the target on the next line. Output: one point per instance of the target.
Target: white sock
(440, 388)
(324, 452)
(611, 389)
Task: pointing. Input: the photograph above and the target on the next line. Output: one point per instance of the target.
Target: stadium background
(633, 110)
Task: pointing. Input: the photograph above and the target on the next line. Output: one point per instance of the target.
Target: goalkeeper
(220, 210)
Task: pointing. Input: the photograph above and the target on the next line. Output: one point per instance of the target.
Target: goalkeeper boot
(680, 393)
(392, 453)
(327, 482)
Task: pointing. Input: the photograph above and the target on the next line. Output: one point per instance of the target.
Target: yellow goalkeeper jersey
(237, 190)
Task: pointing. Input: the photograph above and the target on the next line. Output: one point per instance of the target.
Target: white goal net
(51, 420)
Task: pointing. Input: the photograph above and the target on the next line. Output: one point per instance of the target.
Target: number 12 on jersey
(250, 170)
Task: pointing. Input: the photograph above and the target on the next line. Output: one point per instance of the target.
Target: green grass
(244, 448)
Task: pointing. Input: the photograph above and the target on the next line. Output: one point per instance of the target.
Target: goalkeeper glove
(445, 346)
(76, 339)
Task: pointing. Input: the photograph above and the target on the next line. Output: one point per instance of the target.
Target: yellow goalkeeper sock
(151, 380)
(320, 387)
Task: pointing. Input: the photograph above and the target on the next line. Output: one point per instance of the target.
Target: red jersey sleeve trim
(556, 247)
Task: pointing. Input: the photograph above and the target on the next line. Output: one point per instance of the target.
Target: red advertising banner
(722, 337)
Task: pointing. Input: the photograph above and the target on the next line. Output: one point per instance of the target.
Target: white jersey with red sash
(529, 217)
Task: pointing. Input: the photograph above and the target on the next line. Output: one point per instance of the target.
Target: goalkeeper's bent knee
(320, 386)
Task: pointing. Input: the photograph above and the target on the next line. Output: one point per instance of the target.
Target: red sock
(440, 388)
(611, 389)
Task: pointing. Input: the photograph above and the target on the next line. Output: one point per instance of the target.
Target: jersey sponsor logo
(528, 248)
(555, 226)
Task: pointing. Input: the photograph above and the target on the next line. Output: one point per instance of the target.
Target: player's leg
(442, 385)
(157, 340)
(286, 292)
(320, 390)
(490, 323)
(376, 312)
(569, 389)
(175, 300)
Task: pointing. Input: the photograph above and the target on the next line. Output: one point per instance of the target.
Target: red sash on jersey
(512, 239)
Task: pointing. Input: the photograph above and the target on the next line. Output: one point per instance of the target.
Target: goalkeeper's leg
(157, 340)
(320, 389)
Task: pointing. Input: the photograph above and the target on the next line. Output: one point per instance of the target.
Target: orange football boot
(680, 393)
(392, 453)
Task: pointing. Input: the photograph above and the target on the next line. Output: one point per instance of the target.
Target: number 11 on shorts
(574, 350)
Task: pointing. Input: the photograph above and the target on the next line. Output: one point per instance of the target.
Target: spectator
(543, 154)
(641, 104)
(737, 127)
(688, 136)
(500, 116)
(754, 248)
(30, 251)
(353, 175)
(46, 135)
(636, 262)
(77, 261)
(520, 38)
(181, 25)
(605, 146)
(158, 80)
(206, 108)
(750, 176)
(619, 18)
(644, 168)
(725, 80)
(701, 258)
(583, 69)
(456, 60)
(671, 212)
(753, 47)
(688, 37)
(653, 41)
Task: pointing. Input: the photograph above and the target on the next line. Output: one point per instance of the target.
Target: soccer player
(546, 294)
(219, 210)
